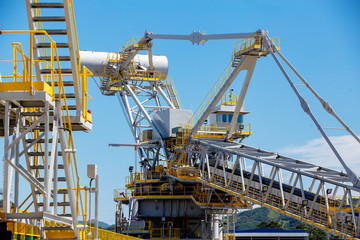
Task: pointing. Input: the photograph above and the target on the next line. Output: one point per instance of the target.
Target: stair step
(32, 113)
(60, 228)
(40, 128)
(54, 32)
(68, 95)
(61, 204)
(61, 191)
(72, 107)
(60, 166)
(48, 71)
(66, 83)
(61, 58)
(60, 179)
(65, 215)
(40, 154)
(47, 45)
(47, 5)
(49, 19)
(30, 140)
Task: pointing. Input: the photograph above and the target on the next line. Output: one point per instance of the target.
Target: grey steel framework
(310, 193)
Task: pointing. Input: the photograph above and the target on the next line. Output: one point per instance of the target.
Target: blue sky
(320, 38)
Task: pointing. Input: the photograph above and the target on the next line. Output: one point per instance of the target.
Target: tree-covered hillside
(250, 219)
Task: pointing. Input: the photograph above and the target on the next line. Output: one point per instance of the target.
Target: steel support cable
(305, 106)
(323, 102)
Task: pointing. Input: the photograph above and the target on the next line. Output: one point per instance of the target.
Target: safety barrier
(148, 176)
(134, 41)
(253, 43)
(23, 78)
(165, 233)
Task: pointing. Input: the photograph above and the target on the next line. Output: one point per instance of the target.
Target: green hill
(251, 218)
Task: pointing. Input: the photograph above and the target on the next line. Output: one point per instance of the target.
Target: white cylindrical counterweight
(96, 62)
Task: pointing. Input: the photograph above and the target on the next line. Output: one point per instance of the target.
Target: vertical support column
(47, 180)
(7, 182)
(54, 153)
(216, 226)
(16, 147)
(69, 184)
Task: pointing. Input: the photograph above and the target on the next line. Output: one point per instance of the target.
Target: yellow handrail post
(52, 69)
(31, 63)
(15, 62)
(85, 208)
(77, 201)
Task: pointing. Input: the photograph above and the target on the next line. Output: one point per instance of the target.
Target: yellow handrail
(55, 74)
(212, 93)
(132, 42)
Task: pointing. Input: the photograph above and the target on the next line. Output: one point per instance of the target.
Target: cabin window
(224, 118)
(230, 117)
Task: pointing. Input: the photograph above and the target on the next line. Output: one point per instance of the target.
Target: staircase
(43, 119)
(57, 19)
(214, 91)
(120, 66)
(170, 88)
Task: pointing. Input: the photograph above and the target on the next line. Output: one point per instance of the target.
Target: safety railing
(165, 233)
(218, 199)
(28, 62)
(246, 44)
(305, 213)
(22, 230)
(136, 226)
(85, 96)
(150, 75)
(134, 41)
(254, 42)
(229, 99)
(151, 191)
(148, 176)
(106, 235)
(317, 215)
(216, 131)
(173, 93)
(212, 93)
(123, 193)
(229, 236)
(186, 172)
(71, 5)
(56, 79)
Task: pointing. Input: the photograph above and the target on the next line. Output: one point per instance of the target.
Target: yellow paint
(25, 86)
(60, 234)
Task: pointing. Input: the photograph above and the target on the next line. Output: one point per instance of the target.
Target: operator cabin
(222, 115)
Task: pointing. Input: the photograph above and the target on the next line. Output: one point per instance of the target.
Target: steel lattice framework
(321, 196)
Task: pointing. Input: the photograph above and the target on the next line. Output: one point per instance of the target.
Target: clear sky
(320, 38)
